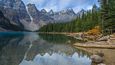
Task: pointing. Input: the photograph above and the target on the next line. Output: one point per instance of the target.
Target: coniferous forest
(107, 15)
(103, 16)
(83, 22)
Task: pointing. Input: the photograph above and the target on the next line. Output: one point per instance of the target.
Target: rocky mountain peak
(70, 10)
(15, 4)
(81, 12)
(43, 11)
(51, 12)
(32, 8)
(30, 17)
(18, 4)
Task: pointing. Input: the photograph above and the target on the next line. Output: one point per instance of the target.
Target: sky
(58, 5)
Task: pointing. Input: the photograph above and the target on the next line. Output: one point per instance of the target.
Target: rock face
(63, 16)
(29, 17)
(5, 24)
(38, 18)
(15, 11)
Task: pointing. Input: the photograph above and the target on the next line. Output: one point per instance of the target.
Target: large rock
(105, 38)
(96, 59)
(101, 64)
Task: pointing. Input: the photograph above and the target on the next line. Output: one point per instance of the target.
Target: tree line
(84, 21)
(103, 16)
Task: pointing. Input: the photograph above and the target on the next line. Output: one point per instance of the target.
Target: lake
(27, 48)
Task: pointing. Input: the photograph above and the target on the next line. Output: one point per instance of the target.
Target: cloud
(58, 5)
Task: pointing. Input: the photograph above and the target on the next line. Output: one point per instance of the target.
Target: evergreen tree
(108, 15)
(84, 22)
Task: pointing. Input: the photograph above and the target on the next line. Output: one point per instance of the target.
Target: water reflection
(57, 59)
(109, 54)
(58, 38)
(33, 49)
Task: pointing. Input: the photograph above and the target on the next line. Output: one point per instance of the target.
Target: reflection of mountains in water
(57, 59)
(19, 45)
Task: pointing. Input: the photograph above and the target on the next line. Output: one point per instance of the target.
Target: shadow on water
(33, 49)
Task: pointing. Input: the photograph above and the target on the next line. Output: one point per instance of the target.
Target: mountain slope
(6, 25)
(29, 17)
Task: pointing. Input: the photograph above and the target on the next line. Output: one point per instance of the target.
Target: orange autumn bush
(95, 31)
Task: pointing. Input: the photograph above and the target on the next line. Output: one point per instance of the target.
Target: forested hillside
(103, 16)
(84, 22)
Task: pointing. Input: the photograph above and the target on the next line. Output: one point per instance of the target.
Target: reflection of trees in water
(15, 46)
(58, 38)
(82, 53)
(50, 48)
(41, 47)
(54, 38)
(57, 59)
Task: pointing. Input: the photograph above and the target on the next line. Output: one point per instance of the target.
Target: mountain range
(28, 17)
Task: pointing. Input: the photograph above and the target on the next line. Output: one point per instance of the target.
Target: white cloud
(58, 5)
(89, 7)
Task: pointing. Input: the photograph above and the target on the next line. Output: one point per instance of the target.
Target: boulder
(96, 59)
(105, 38)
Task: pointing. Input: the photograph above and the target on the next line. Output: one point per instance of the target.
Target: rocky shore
(103, 42)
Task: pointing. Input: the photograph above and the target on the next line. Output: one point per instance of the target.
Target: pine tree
(108, 15)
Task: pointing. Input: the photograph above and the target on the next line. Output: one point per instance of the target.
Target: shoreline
(65, 33)
(94, 46)
(88, 44)
(108, 44)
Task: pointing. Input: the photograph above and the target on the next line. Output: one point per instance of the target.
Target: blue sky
(58, 5)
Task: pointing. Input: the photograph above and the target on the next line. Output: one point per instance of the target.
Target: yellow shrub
(94, 31)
